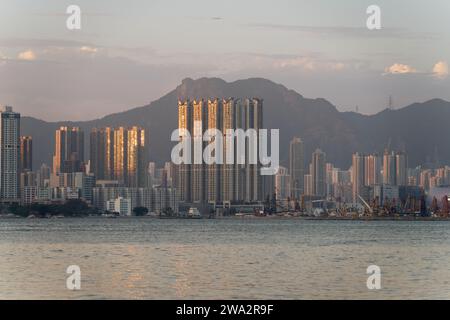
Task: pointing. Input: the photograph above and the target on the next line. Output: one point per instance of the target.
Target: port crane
(366, 204)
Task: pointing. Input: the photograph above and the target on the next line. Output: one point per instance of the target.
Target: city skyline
(290, 111)
(70, 143)
(228, 158)
(118, 174)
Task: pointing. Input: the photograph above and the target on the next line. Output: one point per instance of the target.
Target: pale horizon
(129, 55)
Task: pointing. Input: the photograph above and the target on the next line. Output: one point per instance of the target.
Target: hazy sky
(129, 53)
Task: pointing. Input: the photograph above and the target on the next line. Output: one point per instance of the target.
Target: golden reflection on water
(182, 273)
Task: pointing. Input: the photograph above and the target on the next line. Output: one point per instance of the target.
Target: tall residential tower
(318, 173)
(296, 167)
(26, 153)
(69, 150)
(9, 155)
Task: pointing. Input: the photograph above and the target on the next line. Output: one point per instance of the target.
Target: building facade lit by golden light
(214, 170)
(136, 157)
(69, 150)
(120, 154)
(184, 171)
(219, 183)
(198, 174)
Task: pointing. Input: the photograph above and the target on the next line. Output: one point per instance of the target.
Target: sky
(129, 53)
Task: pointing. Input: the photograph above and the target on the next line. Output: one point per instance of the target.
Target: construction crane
(406, 206)
(366, 204)
(390, 103)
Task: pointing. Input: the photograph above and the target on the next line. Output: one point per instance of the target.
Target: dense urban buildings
(157, 199)
(119, 154)
(125, 178)
(220, 183)
(119, 177)
(114, 179)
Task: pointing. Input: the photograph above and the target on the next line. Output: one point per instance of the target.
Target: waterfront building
(35, 194)
(157, 199)
(120, 205)
(9, 155)
(64, 184)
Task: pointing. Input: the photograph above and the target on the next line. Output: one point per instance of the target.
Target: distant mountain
(421, 129)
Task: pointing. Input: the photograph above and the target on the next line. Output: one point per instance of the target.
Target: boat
(109, 215)
(194, 213)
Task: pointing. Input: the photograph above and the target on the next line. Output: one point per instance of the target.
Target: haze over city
(224, 155)
(126, 55)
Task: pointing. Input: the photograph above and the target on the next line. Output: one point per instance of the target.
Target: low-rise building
(119, 205)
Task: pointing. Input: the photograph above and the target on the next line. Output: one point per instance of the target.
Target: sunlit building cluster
(219, 184)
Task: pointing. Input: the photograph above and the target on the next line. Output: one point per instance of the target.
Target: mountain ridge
(317, 121)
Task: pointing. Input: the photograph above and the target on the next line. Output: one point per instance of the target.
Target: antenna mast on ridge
(390, 103)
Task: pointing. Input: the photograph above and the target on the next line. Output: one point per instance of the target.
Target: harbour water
(145, 258)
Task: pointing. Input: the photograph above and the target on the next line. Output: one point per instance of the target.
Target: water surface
(144, 258)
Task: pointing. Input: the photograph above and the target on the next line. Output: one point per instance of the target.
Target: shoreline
(248, 217)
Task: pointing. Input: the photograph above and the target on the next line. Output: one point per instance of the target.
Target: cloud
(347, 31)
(440, 70)
(88, 85)
(26, 55)
(39, 43)
(338, 66)
(88, 49)
(3, 59)
(307, 63)
(399, 68)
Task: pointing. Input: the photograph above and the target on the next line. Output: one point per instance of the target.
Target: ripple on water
(267, 259)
